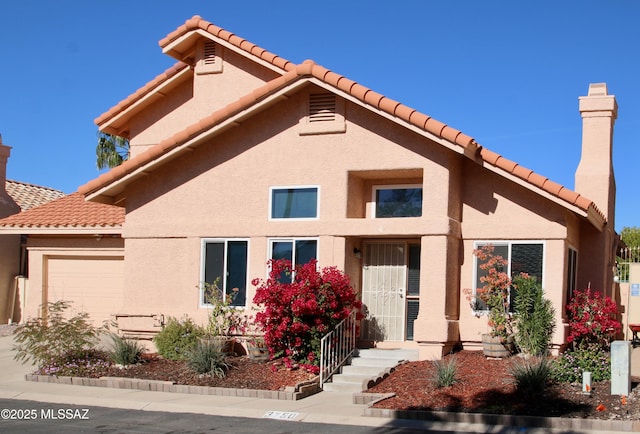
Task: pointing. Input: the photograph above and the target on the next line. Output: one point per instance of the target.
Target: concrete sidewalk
(324, 407)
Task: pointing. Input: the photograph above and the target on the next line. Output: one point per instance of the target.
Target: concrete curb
(293, 393)
(561, 423)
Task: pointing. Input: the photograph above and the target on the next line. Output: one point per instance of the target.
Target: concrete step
(362, 370)
(366, 365)
(374, 361)
(342, 387)
(351, 378)
(400, 353)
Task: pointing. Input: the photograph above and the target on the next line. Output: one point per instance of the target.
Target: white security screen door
(384, 291)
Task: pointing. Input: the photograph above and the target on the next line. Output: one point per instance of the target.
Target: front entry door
(385, 280)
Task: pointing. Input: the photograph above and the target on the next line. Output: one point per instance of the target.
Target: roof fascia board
(150, 97)
(447, 144)
(185, 38)
(61, 230)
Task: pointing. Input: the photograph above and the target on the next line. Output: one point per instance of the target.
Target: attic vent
(209, 57)
(322, 107)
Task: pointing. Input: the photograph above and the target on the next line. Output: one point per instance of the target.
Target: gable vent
(209, 57)
(322, 107)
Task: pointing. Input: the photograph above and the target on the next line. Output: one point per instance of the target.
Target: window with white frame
(225, 262)
(521, 256)
(299, 202)
(397, 201)
(298, 251)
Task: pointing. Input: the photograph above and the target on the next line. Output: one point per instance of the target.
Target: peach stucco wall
(221, 190)
(196, 99)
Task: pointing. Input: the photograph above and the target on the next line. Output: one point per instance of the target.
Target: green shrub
(177, 337)
(54, 337)
(446, 373)
(534, 318)
(570, 365)
(125, 351)
(207, 358)
(532, 376)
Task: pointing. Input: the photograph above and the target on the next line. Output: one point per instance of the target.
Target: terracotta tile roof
(142, 92)
(196, 23)
(309, 69)
(70, 211)
(29, 195)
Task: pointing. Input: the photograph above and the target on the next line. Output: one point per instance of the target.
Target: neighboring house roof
(106, 187)
(69, 214)
(29, 195)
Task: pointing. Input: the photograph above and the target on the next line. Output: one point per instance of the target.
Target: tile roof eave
(61, 230)
(196, 23)
(175, 72)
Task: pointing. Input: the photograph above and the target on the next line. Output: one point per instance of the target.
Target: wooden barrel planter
(496, 347)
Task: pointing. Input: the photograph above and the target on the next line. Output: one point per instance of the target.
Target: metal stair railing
(337, 346)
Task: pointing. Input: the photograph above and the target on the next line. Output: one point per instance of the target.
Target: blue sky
(507, 73)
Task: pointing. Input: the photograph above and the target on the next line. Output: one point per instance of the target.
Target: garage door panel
(94, 285)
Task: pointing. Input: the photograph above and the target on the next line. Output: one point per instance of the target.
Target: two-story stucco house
(239, 156)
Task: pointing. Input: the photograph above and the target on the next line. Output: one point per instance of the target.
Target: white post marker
(586, 382)
(621, 368)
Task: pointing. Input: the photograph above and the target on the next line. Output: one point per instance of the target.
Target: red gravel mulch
(244, 373)
(486, 386)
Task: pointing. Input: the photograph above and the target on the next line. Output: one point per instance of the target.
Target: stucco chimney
(5, 151)
(594, 176)
(7, 205)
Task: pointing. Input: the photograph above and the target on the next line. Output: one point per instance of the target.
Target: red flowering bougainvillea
(592, 318)
(295, 316)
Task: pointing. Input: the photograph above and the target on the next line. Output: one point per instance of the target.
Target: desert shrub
(124, 351)
(592, 319)
(177, 337)
(207, 358)
(570, 365)
(531, 376)
(299, 306)
(534, 317)
(446, 373)
(54, 337)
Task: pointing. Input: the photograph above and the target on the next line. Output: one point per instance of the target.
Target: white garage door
(94, 284)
